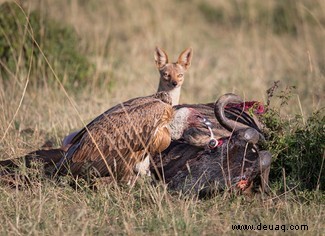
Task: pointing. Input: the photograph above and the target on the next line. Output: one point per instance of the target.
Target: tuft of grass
(298, 147)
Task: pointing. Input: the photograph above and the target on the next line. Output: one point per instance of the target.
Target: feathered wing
(117, 139)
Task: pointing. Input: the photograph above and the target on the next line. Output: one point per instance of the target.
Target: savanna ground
(101, 53)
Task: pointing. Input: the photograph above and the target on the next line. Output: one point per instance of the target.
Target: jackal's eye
(180, 75)
(165, 74)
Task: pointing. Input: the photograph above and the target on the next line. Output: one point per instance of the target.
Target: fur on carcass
(236, 161)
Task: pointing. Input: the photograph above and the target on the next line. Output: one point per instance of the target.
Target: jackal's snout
(174, 83)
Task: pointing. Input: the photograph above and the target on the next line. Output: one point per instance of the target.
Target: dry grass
(119, 37)
(47, 209)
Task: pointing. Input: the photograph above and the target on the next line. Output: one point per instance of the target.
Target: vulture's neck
(179, 123)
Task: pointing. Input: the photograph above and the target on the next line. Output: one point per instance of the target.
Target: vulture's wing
(117, 139)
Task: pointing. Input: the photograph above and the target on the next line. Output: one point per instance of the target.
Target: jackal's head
(172, 74)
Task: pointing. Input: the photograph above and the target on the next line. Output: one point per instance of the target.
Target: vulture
(114, 142)
(117, 140)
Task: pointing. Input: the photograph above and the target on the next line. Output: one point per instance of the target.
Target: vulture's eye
(199, 118)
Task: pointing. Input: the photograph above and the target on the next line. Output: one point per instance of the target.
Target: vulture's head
(186, 118)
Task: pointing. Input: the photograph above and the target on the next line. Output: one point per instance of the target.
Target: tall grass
(239, 46)
(245, 57)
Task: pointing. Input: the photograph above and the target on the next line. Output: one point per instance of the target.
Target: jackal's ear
(161, 58)
(185, 58)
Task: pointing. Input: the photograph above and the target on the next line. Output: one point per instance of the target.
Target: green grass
(59, 43)
(236, 49)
